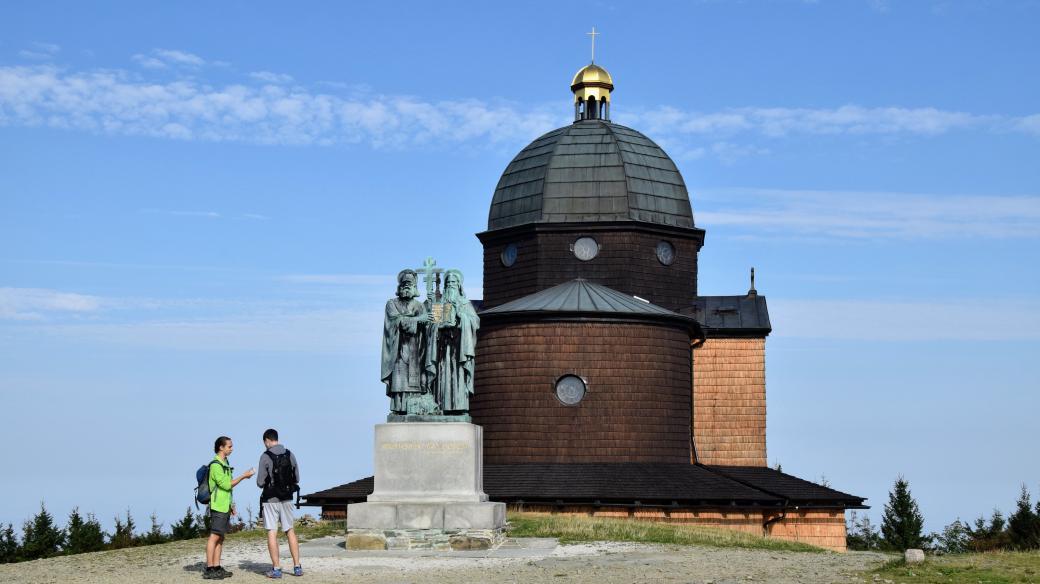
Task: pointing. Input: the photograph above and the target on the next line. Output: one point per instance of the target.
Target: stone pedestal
(429, 491)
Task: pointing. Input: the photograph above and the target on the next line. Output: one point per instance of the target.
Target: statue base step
(397, 418)
(424, 539)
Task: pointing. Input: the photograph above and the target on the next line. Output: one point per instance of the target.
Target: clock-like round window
(570, 389)
(509, 255)
(665, 253)
(585, 248)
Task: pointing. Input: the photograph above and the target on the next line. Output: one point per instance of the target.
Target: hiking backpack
(202, 493)
(281, 481)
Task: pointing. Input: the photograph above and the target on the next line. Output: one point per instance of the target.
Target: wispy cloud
(341, 279)
(113, 102)
(266, 112)
(204, 214)
(956, 320)
(874, 215)
(847, 119)
(40, 51)
(269, 77)
(164, 58)
(38, 303)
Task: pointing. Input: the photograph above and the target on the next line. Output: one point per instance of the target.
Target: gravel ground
(325, 561)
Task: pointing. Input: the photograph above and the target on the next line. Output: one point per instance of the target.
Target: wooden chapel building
(605, 384)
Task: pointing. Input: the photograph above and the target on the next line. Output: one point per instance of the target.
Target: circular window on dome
(585, 248)
(665, 253)
(570, 389)
(509, 255)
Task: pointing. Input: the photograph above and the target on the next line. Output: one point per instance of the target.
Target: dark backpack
(281, 481)
(202, 494)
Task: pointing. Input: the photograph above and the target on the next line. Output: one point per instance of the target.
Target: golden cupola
(592, 86)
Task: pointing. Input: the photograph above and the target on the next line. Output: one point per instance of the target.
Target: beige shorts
(275, 513)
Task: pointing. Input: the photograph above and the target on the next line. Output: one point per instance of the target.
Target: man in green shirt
(221, 506)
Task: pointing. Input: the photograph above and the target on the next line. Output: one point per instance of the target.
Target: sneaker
(224, 573)
(297, 571)
(211, 574)
(273, 573)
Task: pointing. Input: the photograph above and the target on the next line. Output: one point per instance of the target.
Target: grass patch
(985, 568)
(576, 529)
(304, 533)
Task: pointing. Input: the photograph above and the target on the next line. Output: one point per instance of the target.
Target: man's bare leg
(272, 547)
(294, 547)
(211, 550)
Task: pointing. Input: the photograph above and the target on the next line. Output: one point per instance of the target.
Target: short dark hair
(220, 442)
(271, 434)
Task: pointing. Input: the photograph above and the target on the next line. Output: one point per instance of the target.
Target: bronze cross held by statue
(433, 278)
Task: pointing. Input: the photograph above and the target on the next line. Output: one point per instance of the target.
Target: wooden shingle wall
(821, 527)
(627, 262)
(637, 408)
(729, 402)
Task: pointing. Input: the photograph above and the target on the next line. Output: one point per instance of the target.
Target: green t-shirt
(219, 485)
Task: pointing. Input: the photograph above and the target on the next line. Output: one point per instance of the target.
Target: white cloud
(957, 320)
(38, 303)
(269, 77)
(779, 122)
(265, 111)
(341, 279)
(40, 51)
(874, 215)
(113, 102)
(204, 214)
(322, 331)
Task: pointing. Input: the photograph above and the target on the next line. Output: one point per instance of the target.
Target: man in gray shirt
(278, 475)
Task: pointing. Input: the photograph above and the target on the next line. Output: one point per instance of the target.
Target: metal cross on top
(593, 34)
(433, 278)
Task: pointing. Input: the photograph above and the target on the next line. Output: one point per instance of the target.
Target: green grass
(575, 529)
(985, 568)
(320, 529)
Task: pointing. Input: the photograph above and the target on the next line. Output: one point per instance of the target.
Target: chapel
(604, 383)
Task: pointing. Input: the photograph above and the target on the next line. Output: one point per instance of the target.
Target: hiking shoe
(209, 574)
(224, 573)
(297, 571)
(273, 573)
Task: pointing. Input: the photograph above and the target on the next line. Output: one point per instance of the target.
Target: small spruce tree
(902, 522)
(155, 534)
(9, 548)
(185, 528)
(41, 538)
(1024, 526)
(123, 534)
(84, 534)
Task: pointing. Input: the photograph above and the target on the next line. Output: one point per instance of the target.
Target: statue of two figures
(429, 347)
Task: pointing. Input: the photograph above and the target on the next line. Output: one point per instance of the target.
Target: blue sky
(202, 206)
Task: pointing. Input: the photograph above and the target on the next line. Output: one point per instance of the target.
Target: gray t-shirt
(263, 468)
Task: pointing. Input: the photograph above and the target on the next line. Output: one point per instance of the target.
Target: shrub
(862, 534)
(123, 535)
(954, 539)
(155, 534)
(902, 522)
(186, 527)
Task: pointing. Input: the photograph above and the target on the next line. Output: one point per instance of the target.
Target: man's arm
(295, 465)
(242, 477)
(261, 475)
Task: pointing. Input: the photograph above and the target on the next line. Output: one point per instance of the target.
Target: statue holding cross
(429, 347)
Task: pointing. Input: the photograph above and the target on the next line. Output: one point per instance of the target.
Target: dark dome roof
(591, 171)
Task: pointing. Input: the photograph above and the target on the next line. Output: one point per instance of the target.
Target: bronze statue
(402, 361)
(451, 347)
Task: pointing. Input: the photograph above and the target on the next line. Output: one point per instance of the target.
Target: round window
(665, 253)
(570, 389)
(509, 255)
(585, 248)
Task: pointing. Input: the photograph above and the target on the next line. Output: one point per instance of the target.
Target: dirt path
(325, 561)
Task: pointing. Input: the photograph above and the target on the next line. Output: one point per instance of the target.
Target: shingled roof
(591, 171)
(631, 483)
(731, 315)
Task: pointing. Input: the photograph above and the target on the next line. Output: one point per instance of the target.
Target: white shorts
(275, 513)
